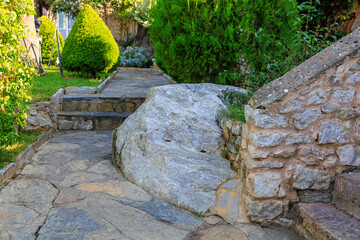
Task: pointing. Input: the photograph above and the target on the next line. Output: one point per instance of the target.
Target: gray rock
(357, 130)
(284, 153)
(348, 155)
(38, 118)
(167, 213)
(171, 145)
(257, 153)
(251, 163)
(328, 108)
(311, 178)
(316, 98)
(352, 78)
(355, 66)
(266, 140)
(16, 216)
(262, 119)
(333, 80)
(296, 139)
(345, 95)
(262, 185)
(348, 113)
(80, 90)
(67, 220)
(66, 125)
(305, 117)
(28, 191)
(308, 90)
(341, 68)
(83, 125)
(312, 156)
(291, 106)
(330, 132)
(260, 211)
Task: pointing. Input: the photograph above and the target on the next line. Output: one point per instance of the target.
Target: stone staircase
(340, 220)
(107, 110)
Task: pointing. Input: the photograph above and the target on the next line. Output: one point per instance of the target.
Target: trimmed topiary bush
(90, 47)
(47, 30)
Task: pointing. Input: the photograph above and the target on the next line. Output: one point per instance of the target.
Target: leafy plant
(16, 70)
(47, 32)
(195, 40)
(198, 214)
(135, 57)
(90, 48)
(235, 105)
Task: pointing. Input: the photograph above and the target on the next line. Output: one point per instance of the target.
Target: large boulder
(171, 145)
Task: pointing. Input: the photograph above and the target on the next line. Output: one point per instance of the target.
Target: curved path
(71, 191)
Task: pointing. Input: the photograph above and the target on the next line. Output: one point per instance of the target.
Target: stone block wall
(301, 131)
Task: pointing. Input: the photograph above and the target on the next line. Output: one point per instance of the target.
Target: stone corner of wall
(306, 72)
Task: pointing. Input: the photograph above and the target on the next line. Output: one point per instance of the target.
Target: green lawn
(25, 139)
(45, 86)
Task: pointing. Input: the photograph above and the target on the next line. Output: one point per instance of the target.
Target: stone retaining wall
(301, 131)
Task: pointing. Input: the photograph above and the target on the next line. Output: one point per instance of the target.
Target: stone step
(91, 120)
(321, 221)
(94, 103)
(346, 194)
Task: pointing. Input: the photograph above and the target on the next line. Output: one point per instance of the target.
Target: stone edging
(306, 72)
(148, 70)
(10, 170)
(101, 87)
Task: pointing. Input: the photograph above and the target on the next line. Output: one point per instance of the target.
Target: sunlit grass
(25, 139)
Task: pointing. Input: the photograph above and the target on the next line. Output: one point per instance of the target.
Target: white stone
(264, 184)
(170, 146)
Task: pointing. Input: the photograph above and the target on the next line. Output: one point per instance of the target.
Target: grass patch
(45, 86)
(24, 140)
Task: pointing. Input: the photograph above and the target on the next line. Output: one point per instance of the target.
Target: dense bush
(195, 40)
(135, 57)
(15, 71)
(47, 30)
(90, 47)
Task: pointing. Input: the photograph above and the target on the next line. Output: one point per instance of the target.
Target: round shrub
(90, 47)
(135, 57)
(47, 30)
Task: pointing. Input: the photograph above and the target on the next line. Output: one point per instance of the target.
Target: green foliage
(235, 105)
(47, 32)
(90, 47)
(195, 40)
(198, 214)
(15, 70)
(135, 57)
(141, 11)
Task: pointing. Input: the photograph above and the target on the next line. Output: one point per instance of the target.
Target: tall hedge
(195, 40)
(15, 71)
(90, 47)
(47, 30)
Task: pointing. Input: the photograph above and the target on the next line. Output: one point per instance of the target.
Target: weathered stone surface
(83, 125)
(28, 191)
(323, 221)
(347, 194)
(311, 178)
(260, 211)
(80, 90)
(291, 106)
(355, 66)
(352, 78)
(348, 155)
(348, 113)
(330, 132)
(312, 156)
(284, 153)
(316, 98)
(251, 163)
(304, 118)
(296, 139)
(345, 95)
(66, 125)
(179, 156)
(333, 79)
(12, 216)
(38, 118)
(328, 108)
(227, 205)
(221, 232)
(263, 119)
(236, 128)
(257, 153)
(266, 140)
(262, 185)
(311, 196)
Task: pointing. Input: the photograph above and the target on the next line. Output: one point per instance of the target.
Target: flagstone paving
(71, 191)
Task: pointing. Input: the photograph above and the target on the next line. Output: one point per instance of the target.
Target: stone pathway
(70, 190)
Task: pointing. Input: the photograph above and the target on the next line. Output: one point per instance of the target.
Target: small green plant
(198, 214)
(47, 32)
(135, 57)
(90, 48)
(235, 105)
